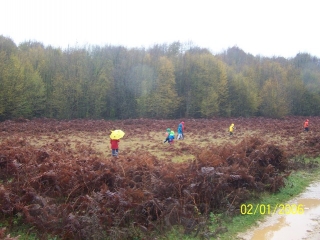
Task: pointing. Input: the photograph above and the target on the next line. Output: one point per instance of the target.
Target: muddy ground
(291, 226)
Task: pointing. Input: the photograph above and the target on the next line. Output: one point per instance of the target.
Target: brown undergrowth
(83, 198)
(73, 193)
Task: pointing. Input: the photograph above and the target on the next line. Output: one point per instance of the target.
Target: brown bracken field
(59, 177)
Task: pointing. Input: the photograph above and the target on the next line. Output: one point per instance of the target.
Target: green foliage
(274, 92)
(244, 96)
(7, 46)
(223, 91)
(273, 102)
(163, 101)
(209, 105)
(200, 77)
(22, 91)
(165, 81)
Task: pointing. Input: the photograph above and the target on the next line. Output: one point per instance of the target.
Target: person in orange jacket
(306, 125)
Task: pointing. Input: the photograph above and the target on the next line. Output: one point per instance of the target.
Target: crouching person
(171, 137)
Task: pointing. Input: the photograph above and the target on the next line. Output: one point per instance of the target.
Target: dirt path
(291, 226)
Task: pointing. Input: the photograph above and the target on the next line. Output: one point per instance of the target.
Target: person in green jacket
(171, 137)
(167, 135)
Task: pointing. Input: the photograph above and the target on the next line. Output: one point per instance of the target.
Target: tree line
(164, 81)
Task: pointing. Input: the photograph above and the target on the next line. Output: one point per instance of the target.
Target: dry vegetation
(59, 177)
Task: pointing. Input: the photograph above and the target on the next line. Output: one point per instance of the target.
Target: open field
(60, 177)
(146, 135)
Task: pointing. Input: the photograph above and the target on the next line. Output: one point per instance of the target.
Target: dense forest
(165, 81)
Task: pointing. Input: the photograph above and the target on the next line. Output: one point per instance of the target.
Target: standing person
(114, 147)
(114, 141)
(306, 125)
(167, 135)
(180, 132)
(231, 128)
(182, 123)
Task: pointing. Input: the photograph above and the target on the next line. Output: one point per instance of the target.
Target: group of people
(305, 126)
(170, 135)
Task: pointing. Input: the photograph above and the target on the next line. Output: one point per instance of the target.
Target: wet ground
(304, 224)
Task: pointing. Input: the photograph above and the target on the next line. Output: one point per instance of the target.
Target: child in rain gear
(114, 146)
(180, 132)
(171, 137)
(167, 135)
(306, 125)
(231, 128)
(182, 129)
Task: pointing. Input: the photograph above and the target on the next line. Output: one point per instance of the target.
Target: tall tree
(223, 90)
(203, 80)
(7, 46)
(273, 101)
(163, 101)
(21, 90)
(99, 86)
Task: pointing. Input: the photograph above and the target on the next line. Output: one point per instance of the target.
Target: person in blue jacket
(180, 131)
(171, 137)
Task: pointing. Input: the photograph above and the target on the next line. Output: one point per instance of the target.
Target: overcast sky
(260, 27)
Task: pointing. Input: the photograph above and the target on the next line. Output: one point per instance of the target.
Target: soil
(291, 226)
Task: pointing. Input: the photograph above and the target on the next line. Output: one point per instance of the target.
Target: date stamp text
(263, 209)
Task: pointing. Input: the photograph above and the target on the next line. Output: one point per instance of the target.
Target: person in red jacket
(306, 125)
(114, 146)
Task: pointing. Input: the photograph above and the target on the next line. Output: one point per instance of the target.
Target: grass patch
(183, 158)
(295, 184)
(227, 227)
(18, 228)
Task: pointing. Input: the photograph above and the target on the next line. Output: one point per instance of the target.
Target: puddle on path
(292, 226)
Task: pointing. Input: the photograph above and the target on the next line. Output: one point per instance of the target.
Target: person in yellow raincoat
(231, 129)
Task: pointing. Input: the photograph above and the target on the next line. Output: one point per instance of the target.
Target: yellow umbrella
(117, 134)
